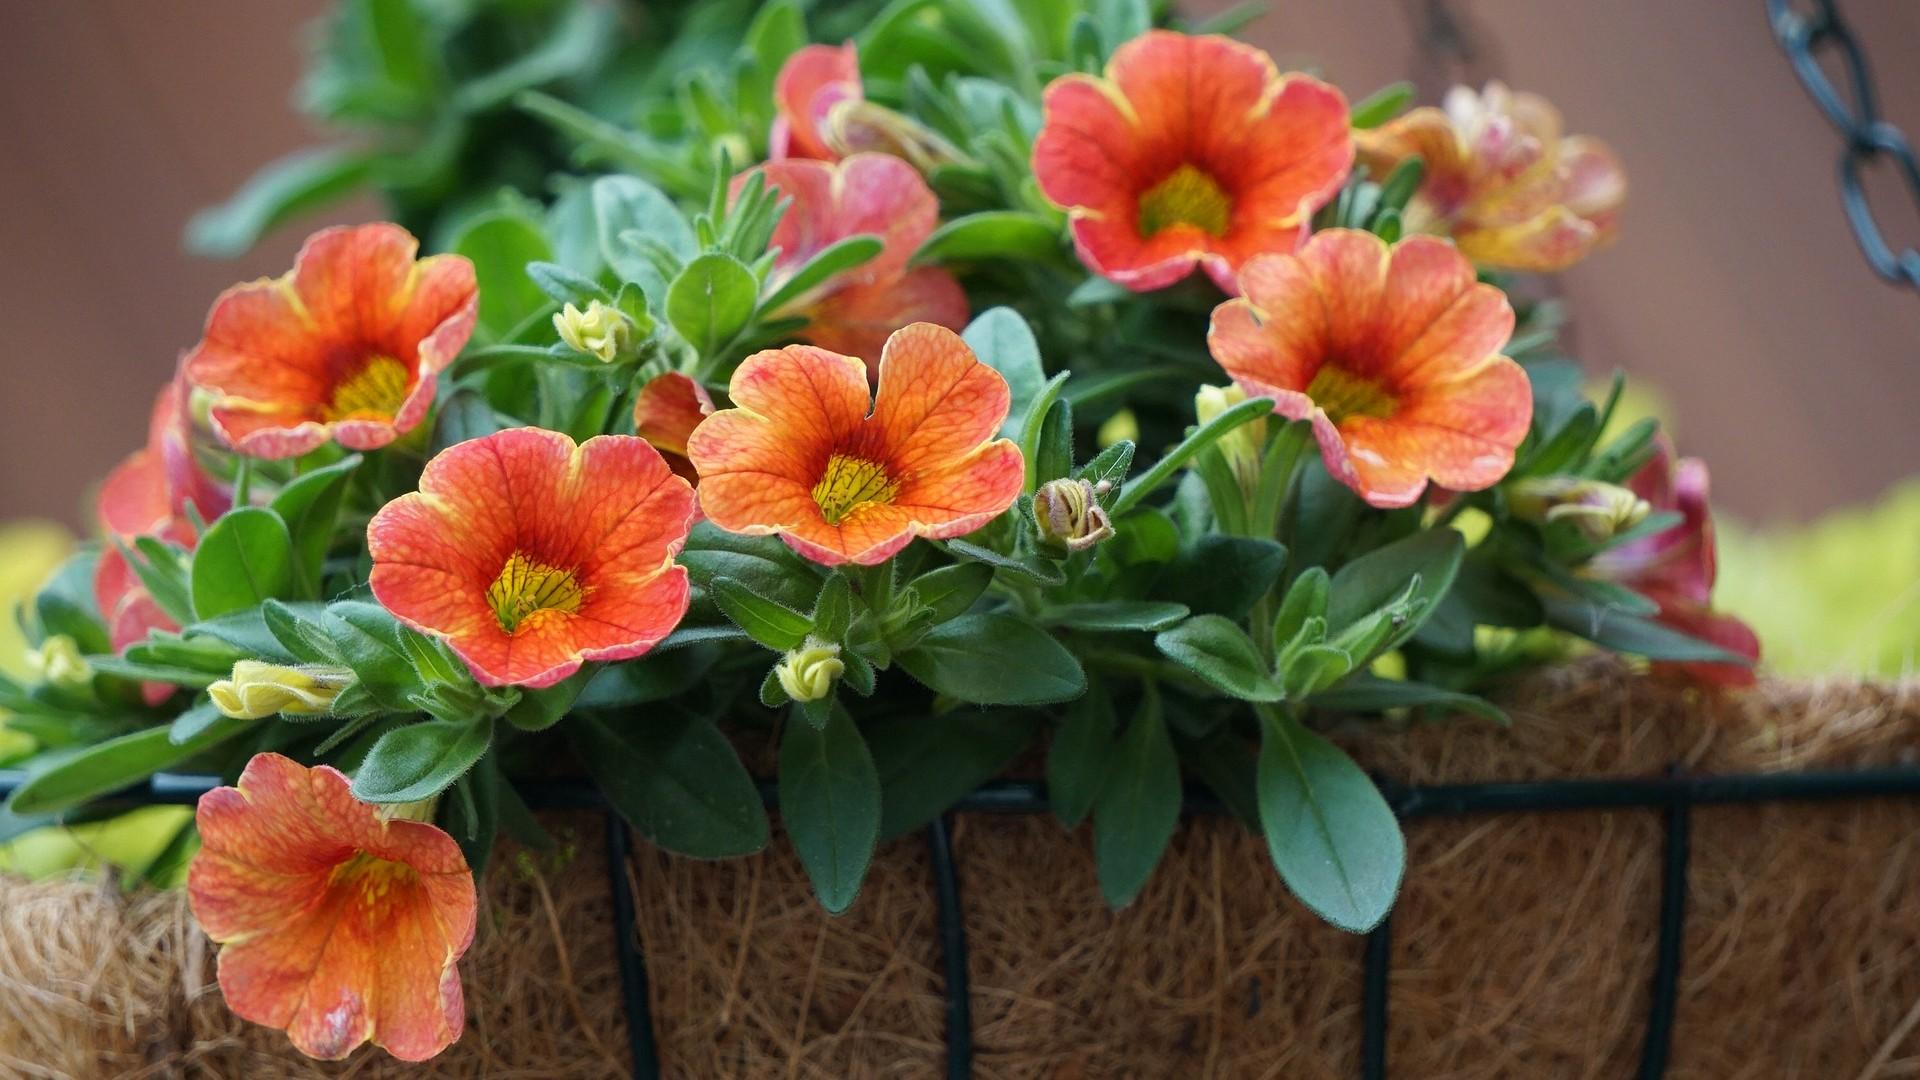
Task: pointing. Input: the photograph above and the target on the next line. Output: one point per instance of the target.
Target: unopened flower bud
(1599, 510)
(1069, 514)
(58, 662)
(601, 330)
(809, 672)
(259, 689)
(1122, 426)
(856, 126)
(1243, 445)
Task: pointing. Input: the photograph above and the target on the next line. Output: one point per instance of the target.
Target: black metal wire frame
(1676, 793)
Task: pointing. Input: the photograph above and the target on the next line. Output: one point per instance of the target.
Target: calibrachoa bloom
(800, 456)
(1501, 180)
(853, 312)
(148, 494)
(1676, 568)
(665, 412)
(1391, 352)
(531, 555)
(346, 346)
(339, 923)
(1192, 150)
(810, 84)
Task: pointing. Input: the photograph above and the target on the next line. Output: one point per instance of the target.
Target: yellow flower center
(1343, 394)
(375, 392)
(372, 876)
(525, 588)
(1186, 197)
(850, 483)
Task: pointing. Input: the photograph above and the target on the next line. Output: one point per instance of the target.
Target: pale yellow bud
(858, 126)
(259, 689)
(1069, 514)
(601, 330)
(1243, 445)
(809, 672)
(1122, 426)
(58, 662)
(1599, 510)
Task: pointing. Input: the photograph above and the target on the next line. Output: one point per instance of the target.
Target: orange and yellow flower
(1190, 151)
(1501, 180)
(346, 346)
(339, 924)
(149, 494)
(844, 476)
(1676, 568)
(854, 312)
(531, 555)
(810, 84)
(1392, 353)
(665, 412)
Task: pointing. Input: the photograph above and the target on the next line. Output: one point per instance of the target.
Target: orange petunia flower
(665, 412)
(346, 346)
(1192, 150)
(149, 494)
(1393, 353)
(1501, 179)
(855, 311)
(531, 555)
(810, 84)
(1676, 568)
(801, 456)
(338, 924)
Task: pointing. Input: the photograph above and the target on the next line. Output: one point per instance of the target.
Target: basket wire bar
(1675, 793)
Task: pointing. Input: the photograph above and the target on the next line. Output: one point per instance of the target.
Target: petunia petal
(936, 400)
(810, 83)
(667, 409)
(858, 319)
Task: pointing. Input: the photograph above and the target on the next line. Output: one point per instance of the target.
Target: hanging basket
(1633, 877)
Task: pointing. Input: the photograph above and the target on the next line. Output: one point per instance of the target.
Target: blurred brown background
(1736, 287)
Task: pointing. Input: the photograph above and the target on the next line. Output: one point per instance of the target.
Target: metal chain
(1855, 114)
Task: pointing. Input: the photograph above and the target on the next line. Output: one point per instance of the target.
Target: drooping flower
(808, 673)
(1190, 151)
(854, 312)
(153, 492)
(339, 924)
(1501, 180)
(1676, 568)
(531, 555)
(844, 476)
(811, 82)
(602, 331)
(665, 412)
(1392, 353)
(258, 689)
(345, 346)
(1068, 515)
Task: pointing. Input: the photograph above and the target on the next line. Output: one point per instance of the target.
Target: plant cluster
(1002, 377)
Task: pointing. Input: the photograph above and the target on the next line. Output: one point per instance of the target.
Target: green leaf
(368, 640)
(248, 631)
(538, 710)
(1053, 451)
(1225, 763)
(1220, 653)
(1368, 693)
(1080, 757)
(501, 244)
(1138, 808)
(572, 47)
(106, 767)
(1382, 105)
(1306, 599)
(675, 777)
(310, 508)
(1033, 568)
(1034, 430)
(1333, 838)
(245, 557)
(301, 181)
(991, 234)
(164, 569)
(150, 672)
(1003, 341)
(1222, 575)
(830, 804)
(951, 590)
(711, 299)
(767, 622)
(419, 761)
(1622, 632)
(836, 258)
(1108, 467)
(928, 763)
(762, 563)
(565, 286)
(1206, 435)
(995, 659)
(65, 605)
(1381, 577)
(1115, 615)
(627, 204)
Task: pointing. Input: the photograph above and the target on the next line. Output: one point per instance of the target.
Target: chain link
(1855, 113)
